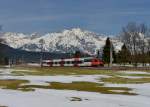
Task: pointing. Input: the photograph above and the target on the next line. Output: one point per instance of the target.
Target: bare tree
(133, 35)
(148, 40)
(129, 36)
(143, 32)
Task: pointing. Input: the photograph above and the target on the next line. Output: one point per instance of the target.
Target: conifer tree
(106, 51)
(124, 55)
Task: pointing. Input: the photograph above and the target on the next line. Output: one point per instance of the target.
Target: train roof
(68, 59)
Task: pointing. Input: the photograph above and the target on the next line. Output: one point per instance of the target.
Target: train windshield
(87, 60)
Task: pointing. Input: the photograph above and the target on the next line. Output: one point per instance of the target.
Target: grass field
(59, 71)
(68, 71)
(112, 77)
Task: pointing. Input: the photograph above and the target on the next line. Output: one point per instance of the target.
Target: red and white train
(77, 62)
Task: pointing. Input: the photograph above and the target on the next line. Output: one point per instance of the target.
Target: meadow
(65, 79)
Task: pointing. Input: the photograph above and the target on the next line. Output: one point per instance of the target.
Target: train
(76, 62)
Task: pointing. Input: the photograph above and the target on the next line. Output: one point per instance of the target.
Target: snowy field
(41, 97)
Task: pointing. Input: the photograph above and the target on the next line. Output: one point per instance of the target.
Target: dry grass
(91, 87)
(121, 80)
(62, 71)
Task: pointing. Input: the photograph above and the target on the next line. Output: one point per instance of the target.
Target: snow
(134, 77)
(4, 71)
(61, 98)
(141, 89)
(67, 40)
(135, 72)
(16, 40)
(42, 80)
(34, 64)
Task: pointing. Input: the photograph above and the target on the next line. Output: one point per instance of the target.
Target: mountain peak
(76, 29)
(65, 41)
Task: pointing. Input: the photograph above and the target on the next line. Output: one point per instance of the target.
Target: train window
(55, 62)
(62, 62)
(78, 62)
(50, 63)
(73, 62)
(68, 62)
(87, 60)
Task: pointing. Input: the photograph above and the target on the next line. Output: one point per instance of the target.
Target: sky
(100, 16)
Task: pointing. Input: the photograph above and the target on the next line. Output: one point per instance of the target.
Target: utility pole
(10, 62)
(41, 59)
(41, 56)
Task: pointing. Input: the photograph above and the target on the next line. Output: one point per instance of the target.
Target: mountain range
(66, 41)
(26, 56)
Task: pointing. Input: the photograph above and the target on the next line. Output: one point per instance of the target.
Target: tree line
(136, 46)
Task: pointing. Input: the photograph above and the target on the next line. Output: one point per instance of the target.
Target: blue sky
(101, 16)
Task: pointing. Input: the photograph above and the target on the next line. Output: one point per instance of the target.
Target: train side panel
(77, 62)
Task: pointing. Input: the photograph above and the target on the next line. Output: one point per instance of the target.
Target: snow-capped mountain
(65, 41)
